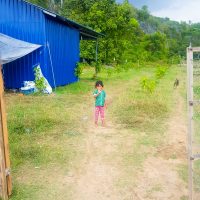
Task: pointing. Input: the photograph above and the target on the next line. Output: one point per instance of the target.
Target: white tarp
(12, 49)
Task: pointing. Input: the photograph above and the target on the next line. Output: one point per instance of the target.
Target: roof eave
(83, 29)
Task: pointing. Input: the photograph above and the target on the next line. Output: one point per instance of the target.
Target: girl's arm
(96, 95)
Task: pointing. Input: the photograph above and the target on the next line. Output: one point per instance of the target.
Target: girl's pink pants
(99, 110)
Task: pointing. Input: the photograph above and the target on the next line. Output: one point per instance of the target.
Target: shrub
(109, 72)
(79, 69)
(118, 69)
(176, 59)
(148, 84)
(98, 66)
(160, 72)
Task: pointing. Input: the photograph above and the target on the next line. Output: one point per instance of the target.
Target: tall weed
(148, 84)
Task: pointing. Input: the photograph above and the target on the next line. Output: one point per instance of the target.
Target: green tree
(130, 34)
(112, 19)
(156, 46)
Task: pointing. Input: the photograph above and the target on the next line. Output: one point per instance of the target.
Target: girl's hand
(96, 95)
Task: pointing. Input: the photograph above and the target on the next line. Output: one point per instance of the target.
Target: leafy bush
(79, 69)
(175, 59)
(109, 71)
(148, 84)
(160, 72)
(98, 67)
(126, 67)
(118, 69)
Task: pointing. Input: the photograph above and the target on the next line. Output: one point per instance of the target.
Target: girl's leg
(102, 115)
(97, 110)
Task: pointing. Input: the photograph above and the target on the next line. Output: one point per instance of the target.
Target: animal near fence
(5, 177)
(193, 104)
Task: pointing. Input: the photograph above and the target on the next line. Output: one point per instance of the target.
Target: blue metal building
(59, 39)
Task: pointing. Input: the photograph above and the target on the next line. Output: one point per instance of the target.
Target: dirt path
(159, 179)
(100, 173)
(98, 177)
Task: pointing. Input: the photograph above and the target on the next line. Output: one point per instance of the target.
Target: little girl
(100, 102)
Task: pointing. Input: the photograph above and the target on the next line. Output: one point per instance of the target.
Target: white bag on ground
(29, 84)
(28, 88)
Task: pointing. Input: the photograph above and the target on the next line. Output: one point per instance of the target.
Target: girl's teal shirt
(100, 99)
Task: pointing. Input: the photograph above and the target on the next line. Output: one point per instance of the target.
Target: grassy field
(48, 133)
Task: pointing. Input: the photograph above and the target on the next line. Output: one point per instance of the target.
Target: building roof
(86, 32)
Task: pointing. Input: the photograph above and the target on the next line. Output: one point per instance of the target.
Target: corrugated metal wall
(64, 49)
(20, 70)
(25, 22)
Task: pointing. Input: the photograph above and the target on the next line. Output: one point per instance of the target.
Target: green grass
(142, 110)
(196, 134)
(39, 119)
(184, 198)
(44, 132)
(75, 88)
(144, 115)
(197, 91)
(25, 192)
(197, 175)
(47, 132)
(183, 172)
(155, 188)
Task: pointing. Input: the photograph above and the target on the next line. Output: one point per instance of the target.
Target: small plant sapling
(39, 81)
(160, 72)
(148, 84)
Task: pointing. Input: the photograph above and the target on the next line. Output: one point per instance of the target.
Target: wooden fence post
(3, 181)
(6, 182)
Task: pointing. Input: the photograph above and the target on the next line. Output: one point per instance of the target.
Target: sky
(178, 10)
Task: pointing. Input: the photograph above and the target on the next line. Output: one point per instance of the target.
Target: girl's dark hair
(98, 83)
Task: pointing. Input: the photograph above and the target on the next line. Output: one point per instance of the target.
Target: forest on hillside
(131, 34)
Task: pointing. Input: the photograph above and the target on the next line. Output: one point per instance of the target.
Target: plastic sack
(29, 84)
(29, 87)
